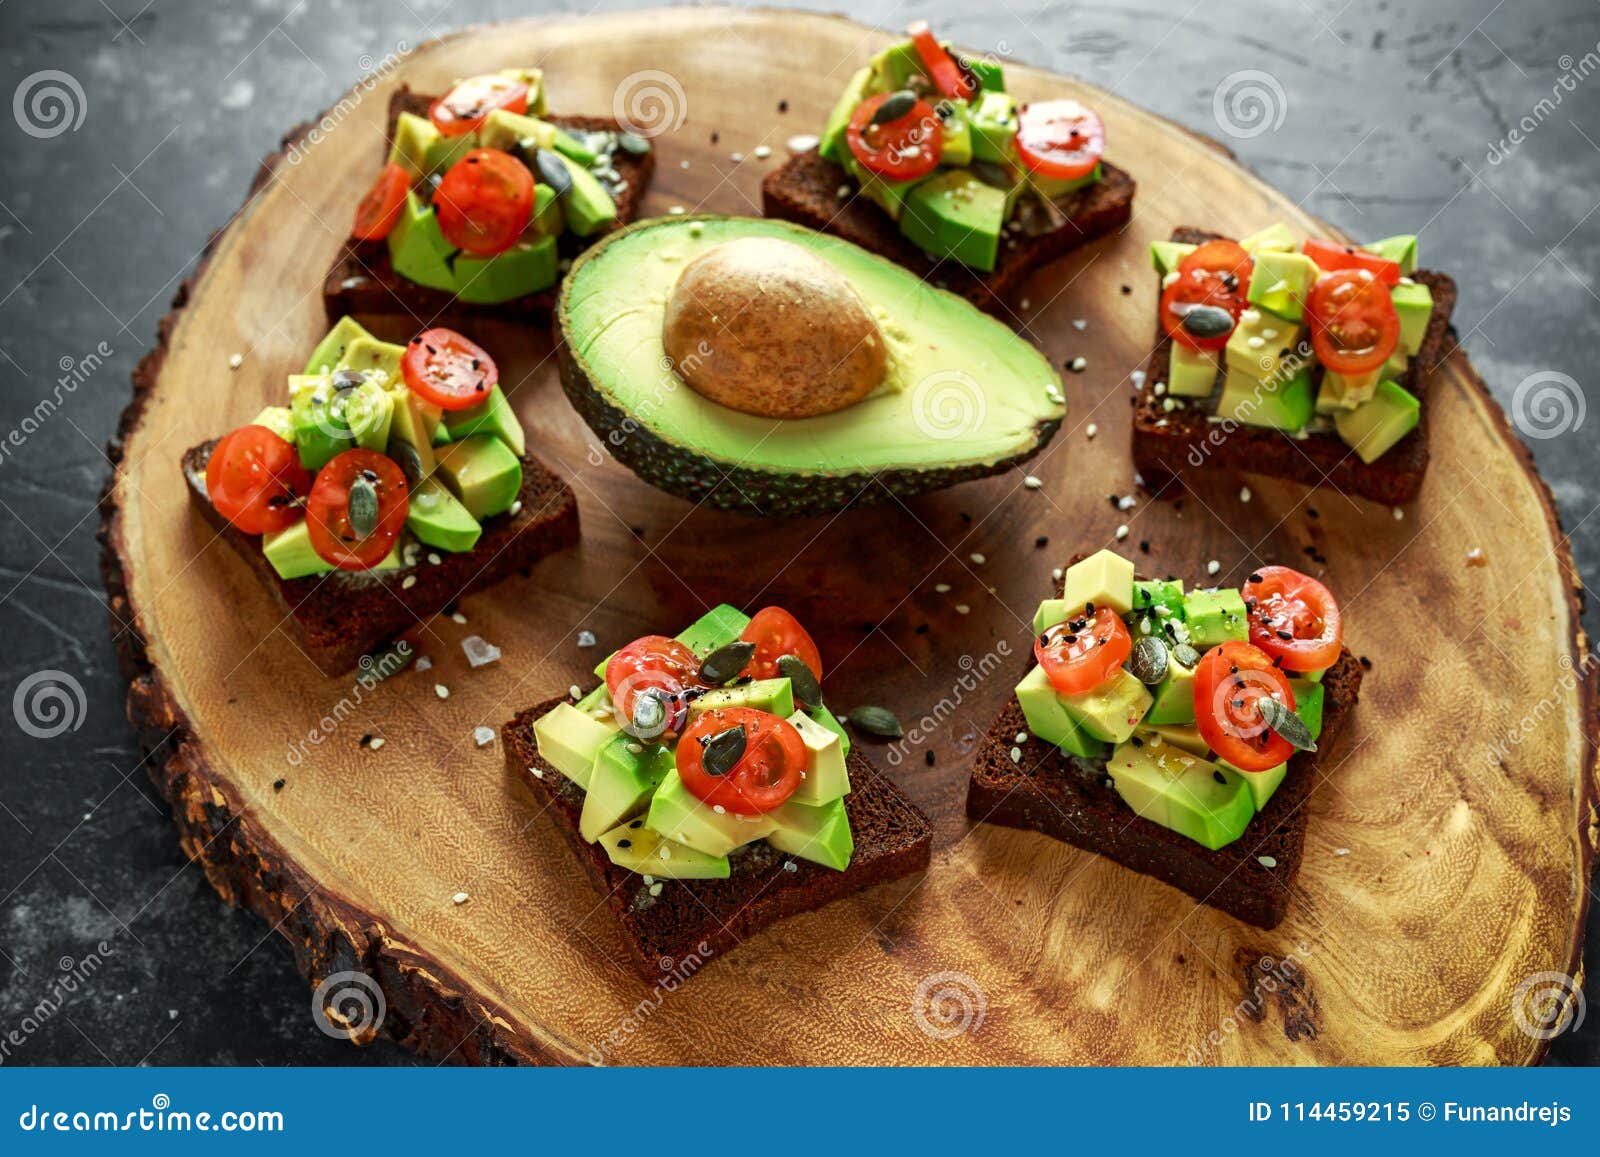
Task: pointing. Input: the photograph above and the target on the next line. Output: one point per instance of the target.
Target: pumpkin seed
(362, 508)
(633, 143)
(1186, 655)
(1207, 321)
(722, 752)
(1286, 723)
(991, 174)
(553, 172)
(406, 457)
(347, 379)
(878, 721)
(897, 106)
(649, 716)
(801, 681)
(724, 664)
(1149, 660)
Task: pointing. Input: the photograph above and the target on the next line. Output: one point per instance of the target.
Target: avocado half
(964, 397)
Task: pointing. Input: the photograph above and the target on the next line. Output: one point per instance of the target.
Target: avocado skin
(700, 478)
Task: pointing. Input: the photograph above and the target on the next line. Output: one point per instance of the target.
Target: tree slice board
(1448, 849)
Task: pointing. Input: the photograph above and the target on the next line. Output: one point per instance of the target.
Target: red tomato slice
(1230, 680)
(468, 104)
(651, 663)
(448, 370)
(1200, 309)
(902, 149)
(770, 770)
(946, 73)
(484, 202)
(1060, 138)
(335, 535)
(777, 633)
(1293, 618)
(1080, 654)
(1354, 326)
(255, 480)
(1226, 259)
(1330, 256)
(380, 208)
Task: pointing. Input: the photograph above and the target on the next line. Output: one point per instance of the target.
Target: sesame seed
(941, 588)
(1213, 566)
(441, 690)
(575, 691)
(1024, 303)
(736, 158)
(1398, 514)
(977, 559)
(962, 609)
(1057, 573)
(1122, 532)
(235, 361)
(1341, 851)
(676, 210)
(515, 507)
(1267, 861)
(1091, 430)
(1022, 737)
(433, 557)
(762, 152)
(1244, 494)
(460, 898)
(1032, 482)
(458, 617)
(376, 743)
(1078, 364)
(1016, 755)
(408, 582)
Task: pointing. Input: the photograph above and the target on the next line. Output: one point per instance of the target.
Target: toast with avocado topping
(394, 482)
(927, 160)
(1176, 732)
(574, 179)
(1269, 387)
(708, 791)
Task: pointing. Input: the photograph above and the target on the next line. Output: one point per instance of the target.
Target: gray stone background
(1396, 118)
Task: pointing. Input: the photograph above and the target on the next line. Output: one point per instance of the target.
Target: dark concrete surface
(1390, 116)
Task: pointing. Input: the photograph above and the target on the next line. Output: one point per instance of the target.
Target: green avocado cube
(1209, 803)
(774, 696)
(526, 268)
(368, 355)
(1402, 250)
(894, 67)
(1215, 615)
(577, 147)
(1308, 701)
(418, 250)
(1150, 594)
(890, 196)
(1173, 700)
(1051, 612)
(994, 126)
(330, 350)
(1192, 373)
(414, 138)
(826, 777)
(445, 151)
(277, 419)
(954, 214)
(411, 433)
(1262, 346)
(291, 554)
(825, 717)
(1346, 391)
(1112, 710)
(1277, 236)
(569, 739)
(1373, 428)
(1263, 785)
(515, 132)
(832, 143)
(1278, 403)
(493, 415)
(987, 71)
(678, 814)
(1105, 579)
(438, 519)
(1049, 719)
(1055, 188)
(548, 219)
(956, 131)
(721, 625)
(328, 421)
(1166, 255)
(635, 847)
(1413, 302)
(819, 833)
(624, 776)
(586, 204)
(1308, 706)
(1185, 736)
(1279, 283)
(483, 473)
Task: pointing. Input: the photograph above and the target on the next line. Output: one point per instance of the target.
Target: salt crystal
(479, 651)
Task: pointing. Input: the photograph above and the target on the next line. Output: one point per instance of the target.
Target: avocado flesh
(614, 368)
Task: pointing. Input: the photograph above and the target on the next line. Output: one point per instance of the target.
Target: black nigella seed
(1041, 542)
(624, 843)
(1219, 777)
(277, 784)
(927, 757)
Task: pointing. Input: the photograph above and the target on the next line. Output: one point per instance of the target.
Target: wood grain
(1467, 853)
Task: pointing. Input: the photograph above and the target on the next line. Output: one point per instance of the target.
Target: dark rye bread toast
(1167, 443)
(805, 190)
(338, 618)
(696, 919)
(1049, 792)
(363, 280)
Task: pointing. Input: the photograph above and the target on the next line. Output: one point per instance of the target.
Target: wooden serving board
(1444, 864)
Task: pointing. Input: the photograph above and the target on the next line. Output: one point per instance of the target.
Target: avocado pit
(766, 327)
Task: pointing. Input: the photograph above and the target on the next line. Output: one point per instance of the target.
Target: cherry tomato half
(907, 147)
(1354, 326)
(777, 633)
(1060, 138)
(484, 202)
(1080, 654)
(1226, 259)
(652, 663)
(255, 480)
(1293, 618)
(380, 208)
(1228, 684)
(335, 512)
(1200, 309)
(771, 768)
(946, 73)
(468, 104)
(448, 370)
(1330, 256)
